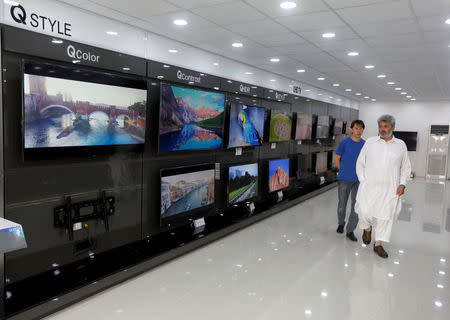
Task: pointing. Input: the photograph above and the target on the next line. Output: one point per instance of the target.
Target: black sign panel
(39, 45)
(173, 73)
(242, 88)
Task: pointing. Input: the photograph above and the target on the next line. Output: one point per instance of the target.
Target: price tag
(322, 180)
(280, 196)
(273, 145)
(299, 142)
(238, 151)
(199, 223)
(252, 207)
(217, 171)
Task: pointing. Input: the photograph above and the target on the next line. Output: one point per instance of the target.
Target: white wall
(410, 116)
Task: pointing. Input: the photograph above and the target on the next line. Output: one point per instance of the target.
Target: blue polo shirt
(349, 151)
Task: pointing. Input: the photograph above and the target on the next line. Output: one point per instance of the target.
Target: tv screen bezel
(185, 216)
(270, 124)
(268, 175)
(159, 117)
(228, 183)
(229, 125)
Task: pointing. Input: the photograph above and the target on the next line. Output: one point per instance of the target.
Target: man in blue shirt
(345, 159)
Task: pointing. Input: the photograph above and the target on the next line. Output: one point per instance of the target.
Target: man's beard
(386, 136)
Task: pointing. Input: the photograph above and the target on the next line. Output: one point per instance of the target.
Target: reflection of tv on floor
(63, 109)
(246, 126)
(242, 183)
(186, 189)
(278, 174)
(409, 137)
(190, 119)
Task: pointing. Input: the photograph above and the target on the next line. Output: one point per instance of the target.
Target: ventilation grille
(439, 129)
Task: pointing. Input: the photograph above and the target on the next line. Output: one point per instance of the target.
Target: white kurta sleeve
(361, 164)
(405, 169)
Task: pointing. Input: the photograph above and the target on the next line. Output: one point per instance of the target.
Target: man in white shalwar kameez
(383, 169)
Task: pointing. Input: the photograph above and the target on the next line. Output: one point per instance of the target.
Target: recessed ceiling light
(275, 60)
(288, 5)
(398, 89)
(369, 66)
(180, 22)
(321, 78)
(216, 63)
(111, 33)
(57, 41)
(12, 3)
(166, 66)
(391, 83)
(307, 90)
(301, 70)
(374, 99)
(248, 72)
(330, 97)
(353, 54)
(381, 76)
(413, 99)
(447, 21)
(336, 84)
(366, 97)
(126, 69)
(237, 45)
(272, 80)
(403, 93)
(358, 94)
(409, 97)
(438, 304)
(328, 35)
(348, 90)
(173, 51)
(338, 99)
(319, 94)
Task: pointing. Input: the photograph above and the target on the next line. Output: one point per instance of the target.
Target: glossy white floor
(295, 266)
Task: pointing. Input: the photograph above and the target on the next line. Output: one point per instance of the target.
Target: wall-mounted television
(409, 137)
(280, 126)
(190, 119)
(278, 174)
(64, 107)
(246, 126)
(304, 166)
(242, 182)
(348, 126)
(303, 130)
(321, 162)
(186, 189)
(338, 127)
(323, 127)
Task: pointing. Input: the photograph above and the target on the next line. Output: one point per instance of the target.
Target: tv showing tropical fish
(186, 191)
(190, 119)
(70, 113)
(280, 126)
(278, 174)
(242, 182)
(246, 126)
(304, 125)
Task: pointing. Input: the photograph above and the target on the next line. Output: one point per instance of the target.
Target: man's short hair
(359, 123)
(387, 118)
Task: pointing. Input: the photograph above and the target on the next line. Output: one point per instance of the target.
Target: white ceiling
(407, 40)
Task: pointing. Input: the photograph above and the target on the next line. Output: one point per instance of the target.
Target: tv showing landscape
(61, 112)
(280, 126)
(323, 127)
(242, 183)
(246, 126)
(190, 119)
(278, 174)
(338, 126)
(303, 130)
(321, 162)
(186, 189)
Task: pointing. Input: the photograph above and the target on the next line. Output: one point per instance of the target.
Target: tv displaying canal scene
(190, 119)
(323, 127)
(246, 126)
(242, 182)
(278, 174)
(60, 112)
(303, 130)
(186, 189)
(280, 126)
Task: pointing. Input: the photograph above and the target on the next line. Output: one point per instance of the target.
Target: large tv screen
(280, 126)
(186, 189)
(323, 127)
(246, 126)
(278, 174)
(303, 130)
(321, 162)
(242, 183)
(338, 126)
(190, 119)
(409, 137)
(61, 112)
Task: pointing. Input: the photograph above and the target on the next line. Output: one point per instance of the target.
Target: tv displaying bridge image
(68, 113)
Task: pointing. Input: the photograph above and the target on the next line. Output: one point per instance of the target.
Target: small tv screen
(61, 112)
(348, 127)
(242, 182)
(409, 137)
(190, 119)
(323, 127)
(278, 174)
(280, 126)
(186, 189)
(321, 162)
(246, 126)
(303, 130)
(338, 127)
(304, 166)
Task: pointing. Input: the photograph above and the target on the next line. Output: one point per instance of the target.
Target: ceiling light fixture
(248, 72)
(381, 76)
(398, 89)
(111, 33)
(180, 22)
(358, 94)
(366, 97)
(328, 35)
(348, 90)
(409, 97)
(57, 41)
(237, 45)
(173, 51)
(353, 54)
(301, 70)
(275, 60)
(272, 80)
(336, 84)
(288, 4)
(391, 83)
(447, 21)
(374, 100)
(216, 63)
(369, 66)
(11, 3)
(413, 99)
(321, 78)
(403, 93)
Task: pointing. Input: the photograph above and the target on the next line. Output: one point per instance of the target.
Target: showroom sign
(244, 89)
(78, 54)
(187, 77)
(35, 20)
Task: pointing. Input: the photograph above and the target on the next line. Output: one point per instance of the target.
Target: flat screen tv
(304, 166)
(303, 130)
(190, 119)
(63, 108)
(348, 126)
(323, 127)
(280, 126)
(278, 174)
(409, 137)
(321, 162)
(186, 189)
(242, 183)
(338, 126)
(246, 126)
